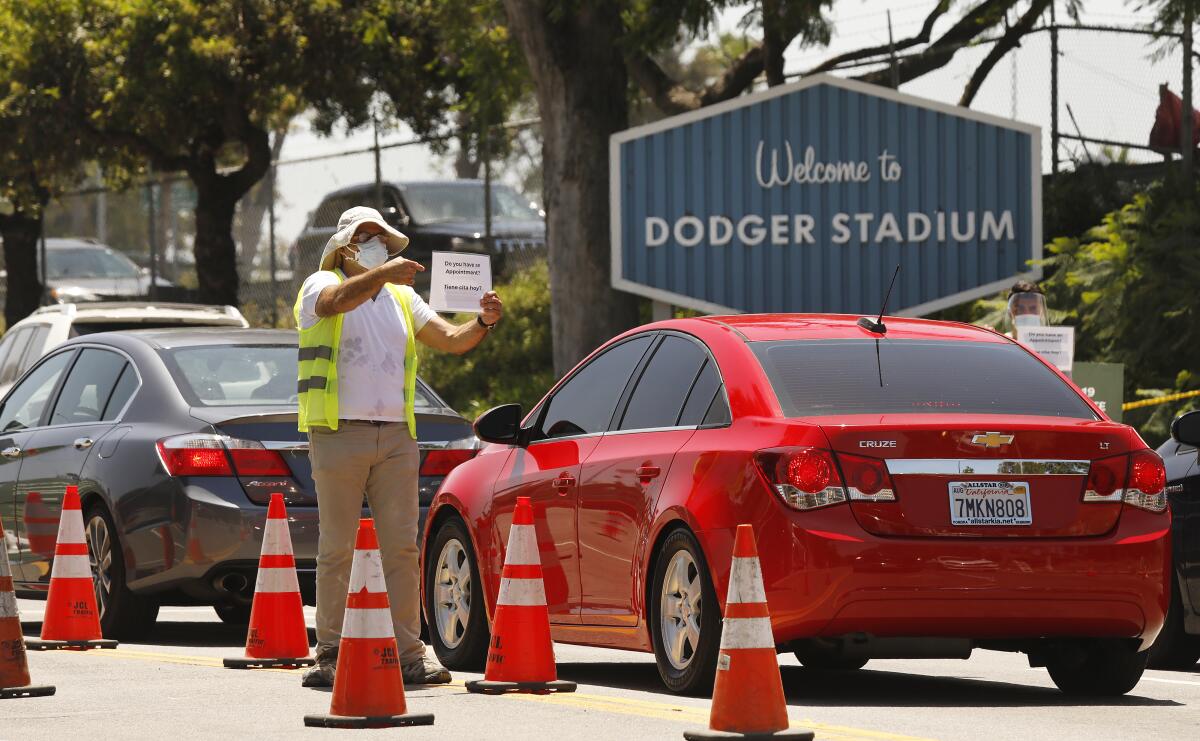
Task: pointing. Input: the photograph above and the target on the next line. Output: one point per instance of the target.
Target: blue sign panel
(805, 198)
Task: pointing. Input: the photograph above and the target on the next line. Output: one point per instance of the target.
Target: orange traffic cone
(40, 525)
(277, 636)
(748, 699)
(14, 669)
(521, 655)
(368, 690)
(71, 619)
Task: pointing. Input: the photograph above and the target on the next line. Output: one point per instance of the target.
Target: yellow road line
(605, 703)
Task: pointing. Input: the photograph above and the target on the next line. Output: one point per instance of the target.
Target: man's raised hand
(401, 271)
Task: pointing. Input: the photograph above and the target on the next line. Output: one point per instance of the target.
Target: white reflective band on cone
(745, 582)
(70, 526)
(277, 580)
(747, 633)
(71, 567)
(277, 540)
(522, 547)
(8, 605)
(367, 571)
(374, 622)
(522, 593)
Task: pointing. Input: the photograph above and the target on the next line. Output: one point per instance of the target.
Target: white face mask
(372, 253)
(1027, 320)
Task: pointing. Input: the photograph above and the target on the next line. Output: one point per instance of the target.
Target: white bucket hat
(349, 223)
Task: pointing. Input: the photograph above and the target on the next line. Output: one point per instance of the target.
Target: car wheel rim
(679, 610)
(452, 593)
(99, 545)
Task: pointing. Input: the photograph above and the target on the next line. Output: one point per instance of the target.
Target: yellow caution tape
(1158, 400)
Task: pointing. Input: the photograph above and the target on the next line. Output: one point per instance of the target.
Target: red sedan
(917, 491)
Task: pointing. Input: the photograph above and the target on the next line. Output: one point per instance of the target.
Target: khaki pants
(381, 461)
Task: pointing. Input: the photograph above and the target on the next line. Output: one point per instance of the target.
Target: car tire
(233, 614)
(123, 614)
(1101, 669)
(453, 590)
(1174, 648)
(686, 663)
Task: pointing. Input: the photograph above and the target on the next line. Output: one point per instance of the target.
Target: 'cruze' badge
(992, 440)
(876, 443)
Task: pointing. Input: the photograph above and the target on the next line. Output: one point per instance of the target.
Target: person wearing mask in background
(359, 320)
(1026, 306)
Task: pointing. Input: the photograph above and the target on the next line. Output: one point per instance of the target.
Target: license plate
(990, 503)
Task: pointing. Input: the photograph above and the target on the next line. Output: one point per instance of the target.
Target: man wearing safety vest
(359, 321)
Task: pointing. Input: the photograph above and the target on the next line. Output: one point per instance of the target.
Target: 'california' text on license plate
(990, 503)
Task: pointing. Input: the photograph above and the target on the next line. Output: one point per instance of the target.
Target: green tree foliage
(513, 364)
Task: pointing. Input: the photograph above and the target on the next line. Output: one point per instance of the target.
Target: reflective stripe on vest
(317, 378)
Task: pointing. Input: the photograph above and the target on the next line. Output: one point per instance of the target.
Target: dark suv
(437, 216)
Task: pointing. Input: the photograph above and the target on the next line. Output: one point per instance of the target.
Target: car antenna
(876, 325)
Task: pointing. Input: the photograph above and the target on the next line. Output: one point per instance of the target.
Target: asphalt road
(174, 687)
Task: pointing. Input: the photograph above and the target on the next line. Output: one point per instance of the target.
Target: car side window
(658, 398)
(718, 411)
(585, 403)
(33, 350)
(707, 384)
(10, 371)
(28, 400)
(122, 393)
(331, 210)
(88, 387)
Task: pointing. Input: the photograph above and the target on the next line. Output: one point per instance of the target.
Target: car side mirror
(1186, 429)
(500, 424)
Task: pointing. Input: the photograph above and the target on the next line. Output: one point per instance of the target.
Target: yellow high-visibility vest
(317, 382)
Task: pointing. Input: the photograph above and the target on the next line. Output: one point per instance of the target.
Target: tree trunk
(21, 232)
(580, 78)
(216, 255)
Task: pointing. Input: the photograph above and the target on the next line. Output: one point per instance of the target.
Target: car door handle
(83, 443)
(12, 452)
(646, 473)
(564, 482)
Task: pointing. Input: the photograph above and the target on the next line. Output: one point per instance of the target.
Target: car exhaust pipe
(232, 583)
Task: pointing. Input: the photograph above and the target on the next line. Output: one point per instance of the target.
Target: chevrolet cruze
(919, 489)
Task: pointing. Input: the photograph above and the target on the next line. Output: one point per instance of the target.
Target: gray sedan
(176, 439)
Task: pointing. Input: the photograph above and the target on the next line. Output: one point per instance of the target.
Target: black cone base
(267, 663)
(790, 734)
(8, 693)
(368, 721)
(484, 687)
(38, 645)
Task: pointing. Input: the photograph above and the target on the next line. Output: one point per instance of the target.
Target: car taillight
(1106, 479)
(1147, 482)
(442, 462)
(194, 455)
(1138, 479)
(867, 479)
(217, 455)
(250, 458)
(806, 478)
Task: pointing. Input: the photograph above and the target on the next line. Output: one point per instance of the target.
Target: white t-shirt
(371, 358)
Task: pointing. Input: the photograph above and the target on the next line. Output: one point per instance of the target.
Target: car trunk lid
(981, 475)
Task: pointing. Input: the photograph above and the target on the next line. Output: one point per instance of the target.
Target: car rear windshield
(81, 328)
(245, 375)
(830, 377)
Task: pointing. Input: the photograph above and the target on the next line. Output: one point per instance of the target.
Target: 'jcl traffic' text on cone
(277, 635)
(368, 690)
(14, 669)
(521, 654)
(71, 620)
(748, 700)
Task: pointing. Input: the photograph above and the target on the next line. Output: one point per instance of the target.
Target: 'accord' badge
(992, 440)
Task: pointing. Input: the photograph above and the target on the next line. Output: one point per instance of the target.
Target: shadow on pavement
(866, 688)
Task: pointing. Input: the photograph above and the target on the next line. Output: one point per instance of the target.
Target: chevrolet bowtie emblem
(992, 440)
